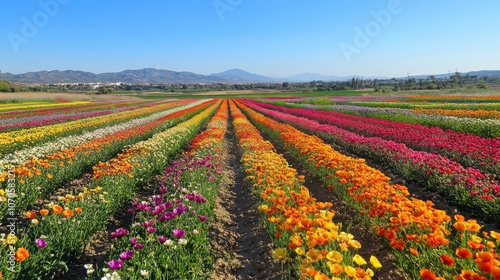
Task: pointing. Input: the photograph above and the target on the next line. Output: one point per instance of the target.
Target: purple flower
(127, 255)
(211, 178)
(133, 240)
(179, 233)
(202, 218)
(40, 243)
(119, 233)
(180, 209)
(162, 239)
(115, 264)
(138, 246)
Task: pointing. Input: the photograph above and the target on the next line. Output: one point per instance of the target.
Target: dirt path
(241, 244)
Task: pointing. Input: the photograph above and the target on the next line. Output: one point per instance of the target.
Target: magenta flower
(151, 229)
(133, 240)
(115, 264)
(127, 255)
(179, 233)
(202, 218)
(119, 232)
(138, 246)
(40, 243)
(162, 239)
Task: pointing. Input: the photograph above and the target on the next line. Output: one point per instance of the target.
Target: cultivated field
(357, 186)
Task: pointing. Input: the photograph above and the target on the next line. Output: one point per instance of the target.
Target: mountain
(141, 76)
(238, 75)
(150, 75)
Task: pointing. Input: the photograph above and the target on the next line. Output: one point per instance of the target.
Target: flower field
(134, 189)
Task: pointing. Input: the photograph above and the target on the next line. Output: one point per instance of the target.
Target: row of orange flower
(482, 114)
(417, 231)
(303, 227)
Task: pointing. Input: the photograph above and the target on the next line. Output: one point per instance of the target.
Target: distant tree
(105, 90)
(285, 85)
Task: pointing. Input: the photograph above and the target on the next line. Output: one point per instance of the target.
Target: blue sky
(275, 38)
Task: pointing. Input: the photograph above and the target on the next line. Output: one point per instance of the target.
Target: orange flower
(30, 215)
(475, 246)
(463, 253)
(314, 255)
(447, 260)
(474, 226)
(427, 274)
(67, 213)
(413, 251)
(78, 210)
(484, 266)
(484, 256)
(461, 226)
(57, 209)
(21, 254)
(44, 212)
(398, 244)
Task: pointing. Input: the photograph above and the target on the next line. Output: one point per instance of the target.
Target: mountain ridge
(152, 75)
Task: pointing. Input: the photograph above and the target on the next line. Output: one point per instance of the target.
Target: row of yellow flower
(481, 114)
(10, 141)
(58, 236)
(419, 233)
(304, 229)
(38, 105)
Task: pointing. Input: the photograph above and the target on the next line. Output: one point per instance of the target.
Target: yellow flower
(334, 256)
(350, 271)
(280, 253)
(476, 239)
(359, 260)
(375, 262)
(263, 208)
(300, 251)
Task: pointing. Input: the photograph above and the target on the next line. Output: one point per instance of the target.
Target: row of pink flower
(59, 118)
(464, 186)
(86, 107)
(467, 149)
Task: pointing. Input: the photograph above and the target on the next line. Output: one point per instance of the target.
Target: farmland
(352, 186)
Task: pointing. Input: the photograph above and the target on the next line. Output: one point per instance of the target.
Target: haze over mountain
(151, 75)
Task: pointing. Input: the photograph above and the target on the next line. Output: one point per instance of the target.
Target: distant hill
(238, 75)
(150, 75)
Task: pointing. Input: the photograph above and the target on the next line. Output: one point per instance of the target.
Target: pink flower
(40, 243)
(179, 233)
(127, 255)
(115, 264)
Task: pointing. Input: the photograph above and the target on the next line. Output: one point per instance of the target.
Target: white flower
(183, 241)
(144, 273)
(168, 243)
(195, 231)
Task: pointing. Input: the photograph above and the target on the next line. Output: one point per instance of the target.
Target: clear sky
(269, 37)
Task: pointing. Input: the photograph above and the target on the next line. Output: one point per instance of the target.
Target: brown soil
(240, 243)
